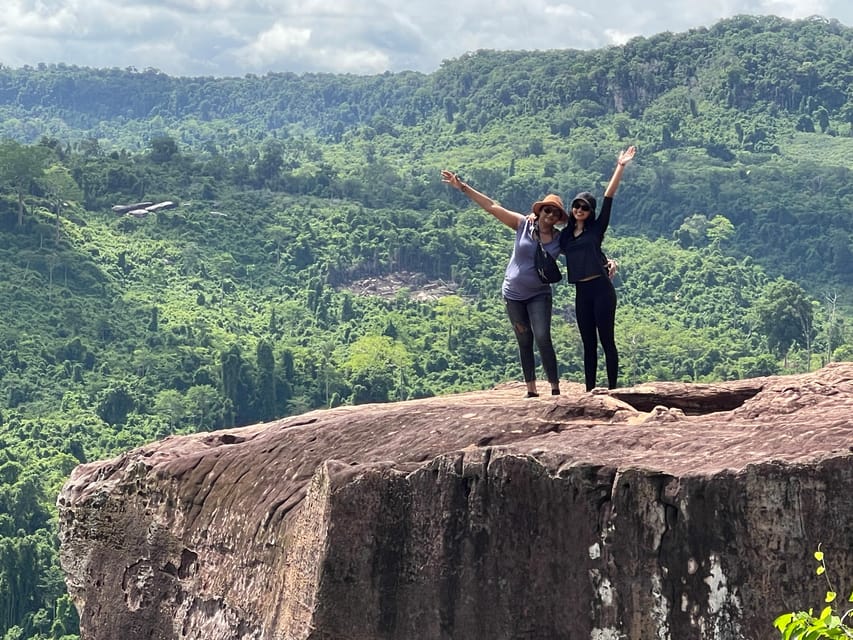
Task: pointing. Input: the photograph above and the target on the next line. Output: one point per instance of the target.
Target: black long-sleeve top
(584, 257)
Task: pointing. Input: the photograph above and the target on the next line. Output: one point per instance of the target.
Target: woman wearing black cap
(528, 300)
(595, 297)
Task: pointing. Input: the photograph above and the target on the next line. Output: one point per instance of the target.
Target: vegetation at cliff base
(829, 623)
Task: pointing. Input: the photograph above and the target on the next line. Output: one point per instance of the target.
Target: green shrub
(804, 625)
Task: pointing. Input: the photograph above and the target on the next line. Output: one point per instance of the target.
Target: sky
(228, 38)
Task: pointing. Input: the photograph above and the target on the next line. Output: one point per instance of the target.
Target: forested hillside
(307, 255)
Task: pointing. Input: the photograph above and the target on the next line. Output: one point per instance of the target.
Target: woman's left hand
(626, 156)
(612, 267)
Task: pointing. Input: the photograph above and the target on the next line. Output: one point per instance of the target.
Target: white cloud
(617, 37)
(235, 37)
(204, 5)
(565, 11)
(354, 61)
(37, 20)
(793, 8)
(274, 44)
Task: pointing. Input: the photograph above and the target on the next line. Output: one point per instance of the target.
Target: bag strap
(537, 234)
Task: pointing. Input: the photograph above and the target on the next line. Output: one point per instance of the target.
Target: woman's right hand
(451, 178)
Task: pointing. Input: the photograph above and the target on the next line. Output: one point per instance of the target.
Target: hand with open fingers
(451, 178)
(626, 156)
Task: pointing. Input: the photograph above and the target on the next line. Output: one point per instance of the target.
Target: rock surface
(664, 511)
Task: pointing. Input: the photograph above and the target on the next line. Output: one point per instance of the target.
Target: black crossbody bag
(546, 266)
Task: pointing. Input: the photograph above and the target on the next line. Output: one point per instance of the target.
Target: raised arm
(510, 218)
(624, 158)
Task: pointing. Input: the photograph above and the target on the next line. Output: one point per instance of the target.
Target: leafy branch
(804, 625)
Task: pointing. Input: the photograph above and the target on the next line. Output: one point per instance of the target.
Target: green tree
(720, 229)
(171, 403)
(450, 311)
(21, 166)
(822, 117)
(270, 163)
(115, 404)
(207, 408)
(163, 148)
(60, 187)
(232, 386)
(377, 366)
(785, 316)
(693, 231)
(265, 387)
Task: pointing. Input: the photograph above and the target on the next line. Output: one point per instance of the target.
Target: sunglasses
(551, 211)
(583, 206)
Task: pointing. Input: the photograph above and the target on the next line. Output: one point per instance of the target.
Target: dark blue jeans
(595, 308)
(531, 321)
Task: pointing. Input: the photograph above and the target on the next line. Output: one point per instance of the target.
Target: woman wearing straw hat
(528, 300)
(595, 297)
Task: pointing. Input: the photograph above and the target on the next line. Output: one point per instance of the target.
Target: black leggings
(595, 308)
(531, 320)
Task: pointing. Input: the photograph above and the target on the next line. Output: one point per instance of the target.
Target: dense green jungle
(308, 254)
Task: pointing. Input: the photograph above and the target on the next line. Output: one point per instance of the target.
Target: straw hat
(553, 200)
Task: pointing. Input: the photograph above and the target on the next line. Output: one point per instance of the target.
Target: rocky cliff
(666, 511)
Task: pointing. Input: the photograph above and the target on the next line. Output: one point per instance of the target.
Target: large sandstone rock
(663, 511)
